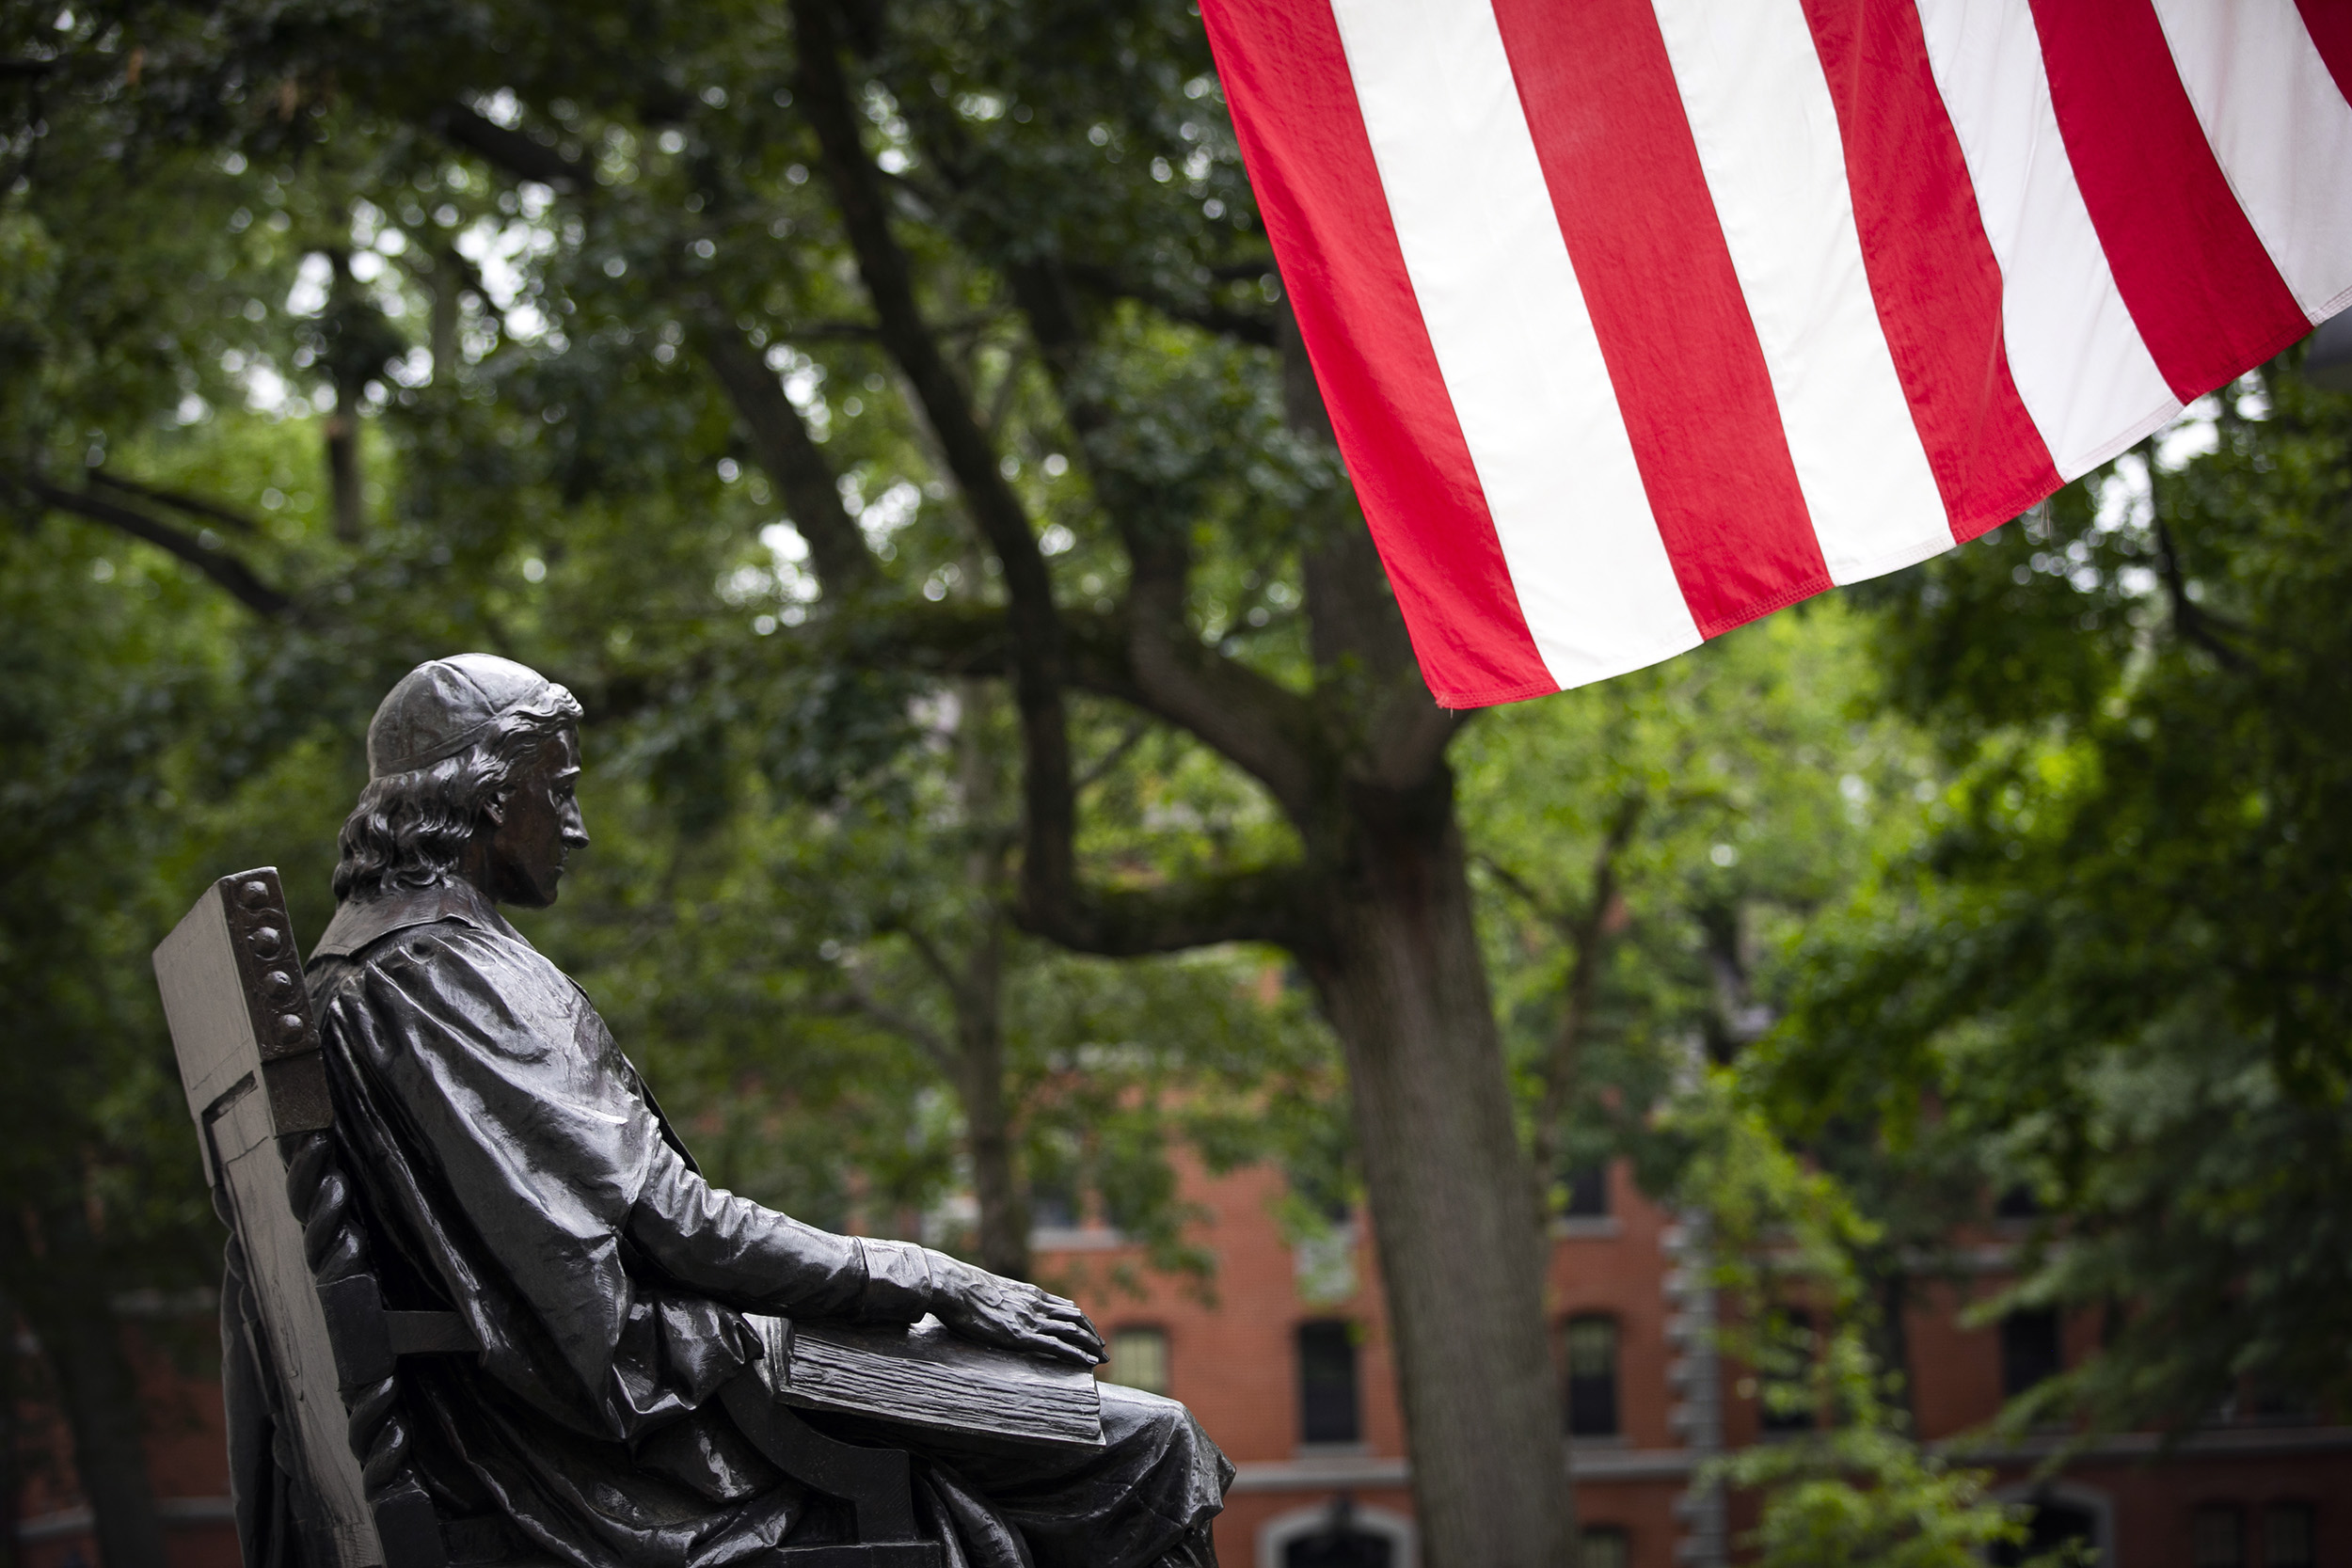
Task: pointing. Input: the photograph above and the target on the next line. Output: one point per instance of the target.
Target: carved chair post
(232, 981)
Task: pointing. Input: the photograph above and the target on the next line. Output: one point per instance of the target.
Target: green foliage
(1865, 1495)
(1675, 829)
(1719, 806)
(551, 472)
(1861, 1489)
(2037, 853)
(2111, 975)
(94, 693)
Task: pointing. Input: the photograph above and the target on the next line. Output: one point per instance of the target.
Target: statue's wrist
(902, 1281)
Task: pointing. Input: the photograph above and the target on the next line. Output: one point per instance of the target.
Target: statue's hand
(1012, 1315)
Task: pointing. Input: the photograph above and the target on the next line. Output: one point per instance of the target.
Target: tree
(581, 504)
(1648, 848)
(1033, 226)
(1655, 853)
(1860, 1489)
(805, 983)
(96, 1202)
(2110, 975)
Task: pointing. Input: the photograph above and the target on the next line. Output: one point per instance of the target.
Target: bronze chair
(248, 1052)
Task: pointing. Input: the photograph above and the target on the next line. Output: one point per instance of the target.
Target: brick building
(1286, 1361)
(1290, 1371)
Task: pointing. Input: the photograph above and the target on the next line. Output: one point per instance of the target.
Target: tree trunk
(81, 1343)
(1004, 1220)
(1405, 986)
(11, 1477)
(1894, 1347)
(1003, 1217)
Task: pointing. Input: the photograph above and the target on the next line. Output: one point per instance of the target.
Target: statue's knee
(1131, 1410)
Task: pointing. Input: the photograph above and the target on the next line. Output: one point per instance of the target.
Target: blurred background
(1928, 1011)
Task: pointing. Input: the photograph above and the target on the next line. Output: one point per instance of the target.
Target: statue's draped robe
(511, 1166)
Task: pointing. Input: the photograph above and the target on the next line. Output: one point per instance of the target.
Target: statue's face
(537, 826)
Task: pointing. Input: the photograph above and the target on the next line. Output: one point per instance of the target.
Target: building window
(2030, 1352)
(2267, 1404)
(2217, 1537)
(1592, 1358)
(1339, 1534)
(2290, 1539)
(1606, 1546)
(2017, 1203)
(1350, 1548)
(2051, 1525)
(1138, 1360)
(1588, 1193)
(1786, 1398)
(1052, 1206)
(1328, 1410)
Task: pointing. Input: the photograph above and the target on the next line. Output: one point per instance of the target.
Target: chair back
(248, 1048)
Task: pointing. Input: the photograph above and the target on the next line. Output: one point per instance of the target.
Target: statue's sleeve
(507, 1074)
(727, 1246)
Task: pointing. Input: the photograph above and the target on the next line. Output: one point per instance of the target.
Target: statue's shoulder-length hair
(409, 829)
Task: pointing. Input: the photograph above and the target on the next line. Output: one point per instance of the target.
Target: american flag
(1639, 319)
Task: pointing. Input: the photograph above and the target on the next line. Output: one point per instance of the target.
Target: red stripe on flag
(1932, 272)
(1600, 96)
(2204, 291)
(2330, 23)
(1310, 163)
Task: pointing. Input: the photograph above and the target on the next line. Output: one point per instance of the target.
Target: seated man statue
(511, 1166)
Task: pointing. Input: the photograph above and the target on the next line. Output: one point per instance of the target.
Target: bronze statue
(509, 1165)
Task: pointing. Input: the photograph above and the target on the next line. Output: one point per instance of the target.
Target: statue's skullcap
(445, 705)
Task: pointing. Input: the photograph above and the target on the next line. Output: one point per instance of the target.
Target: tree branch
(173, 498)
(1272, 904)
(1048, 869)
(857, 999)
(779, 439)
(1587, 935)
(1259, 724)
(1353, 620)
(1521, 889)
(934, 960)
(1230, 707)
(867, 332)
(781, 444)
(510, 150)
(225, 570)
(2190, 619)
(1250, 719)
(1247, 326)
(1101, 768)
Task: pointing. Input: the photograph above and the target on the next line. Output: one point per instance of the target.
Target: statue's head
(471, 764)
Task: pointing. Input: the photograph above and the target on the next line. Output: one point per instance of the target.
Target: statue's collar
(361, 922)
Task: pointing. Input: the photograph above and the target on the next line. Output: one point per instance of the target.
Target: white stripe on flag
(1514, 344)
(2281, 131)
(2081, 368)
(1760, 112)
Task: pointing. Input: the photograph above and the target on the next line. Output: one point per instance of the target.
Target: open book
(925, 1376)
